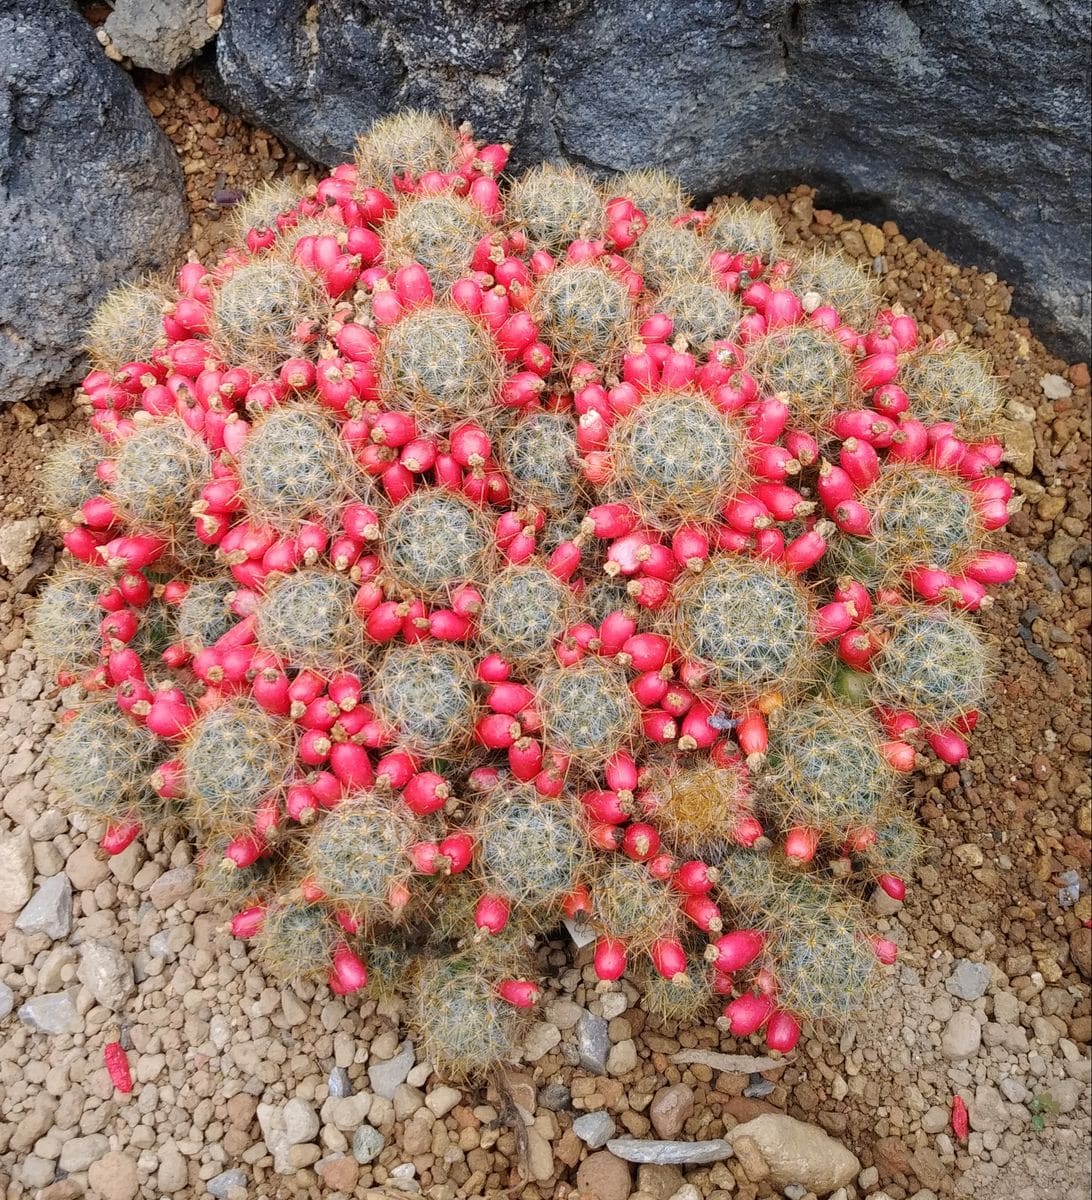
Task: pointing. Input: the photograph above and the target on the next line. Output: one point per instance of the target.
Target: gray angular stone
(159, 35)
(968, 980)
(386, 1076)
(338, 1084)
(49, 910)
(220, 1185)
(16, 867)
(92, 192)
(969, 118)
(106, 973)
(647, 1150)
(592, 1042)
(368, 1144)
(52, 1014)
(77, 1154)
(7, 1000)
(595, 1129)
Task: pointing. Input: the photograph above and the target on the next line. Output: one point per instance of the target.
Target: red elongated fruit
(703, 912)
(610, 958)
(961, 1124)
(347, 971)
(735, 950)
(782, 1031)
(525, 758)
(803, 552)
(248, 924)
(118, 836)
(520, 993)
(747, 1013)
(886, 951)
(620, 771)
(245, 849)
(695, 877)
(893, 886)
(640, 841)
(992, 566)
(899, 755)
(751, 734)
(833, 619)
(117, 1067)
(947, 745)
(426, 792)
(668, 958)
(458, 850)
(351, 765)
(491, 914)
(801, 844)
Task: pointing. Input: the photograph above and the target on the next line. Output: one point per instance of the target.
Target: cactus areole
(452, 558)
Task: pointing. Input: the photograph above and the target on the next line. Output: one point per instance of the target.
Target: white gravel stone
(962, 1036)
(440, 1101)
(53, 1014)
(386, 1077)
(16, 870)
(106, 973)
(301, 1123)
(799, 1153)
(595, 1129)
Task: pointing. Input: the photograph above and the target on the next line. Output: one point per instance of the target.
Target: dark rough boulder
(966, 120)
(91, 193)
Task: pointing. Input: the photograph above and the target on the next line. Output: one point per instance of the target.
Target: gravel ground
(243, 1089)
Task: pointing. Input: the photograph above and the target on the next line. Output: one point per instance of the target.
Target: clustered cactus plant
(452, 560)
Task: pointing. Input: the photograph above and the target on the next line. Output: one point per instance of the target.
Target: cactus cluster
(453, 559)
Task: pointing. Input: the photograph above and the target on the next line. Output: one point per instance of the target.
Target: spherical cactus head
(630, 905)
(297, 940)
(358, 854)
(820, 955)
(127, 326)
(701, 312)
(898, 845)
(585, 313)
(524, 609)
(531, 850)
(666, 253)
(294, 466)
(438, 231)
(657, 194)
(68, 476)
(699, 806)
(683, 1002)
(266, 207)
(587, 710)
(264, 312)
(159, 471)
(307, 619)
(749, 880)
(442, 365)
(556, 205)
(677, 459)
(740, 229)
(463, 1026)
(946, 383)
(65, 624)
(831, 279)
(749, 622)
(935, 663)
(806, 368)
(204, 614)
(540, 455)
(922, 517)
(102, 761)
(434, 541)
(825, 769)
(427, 696)
(233, 757)
(406, 143)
